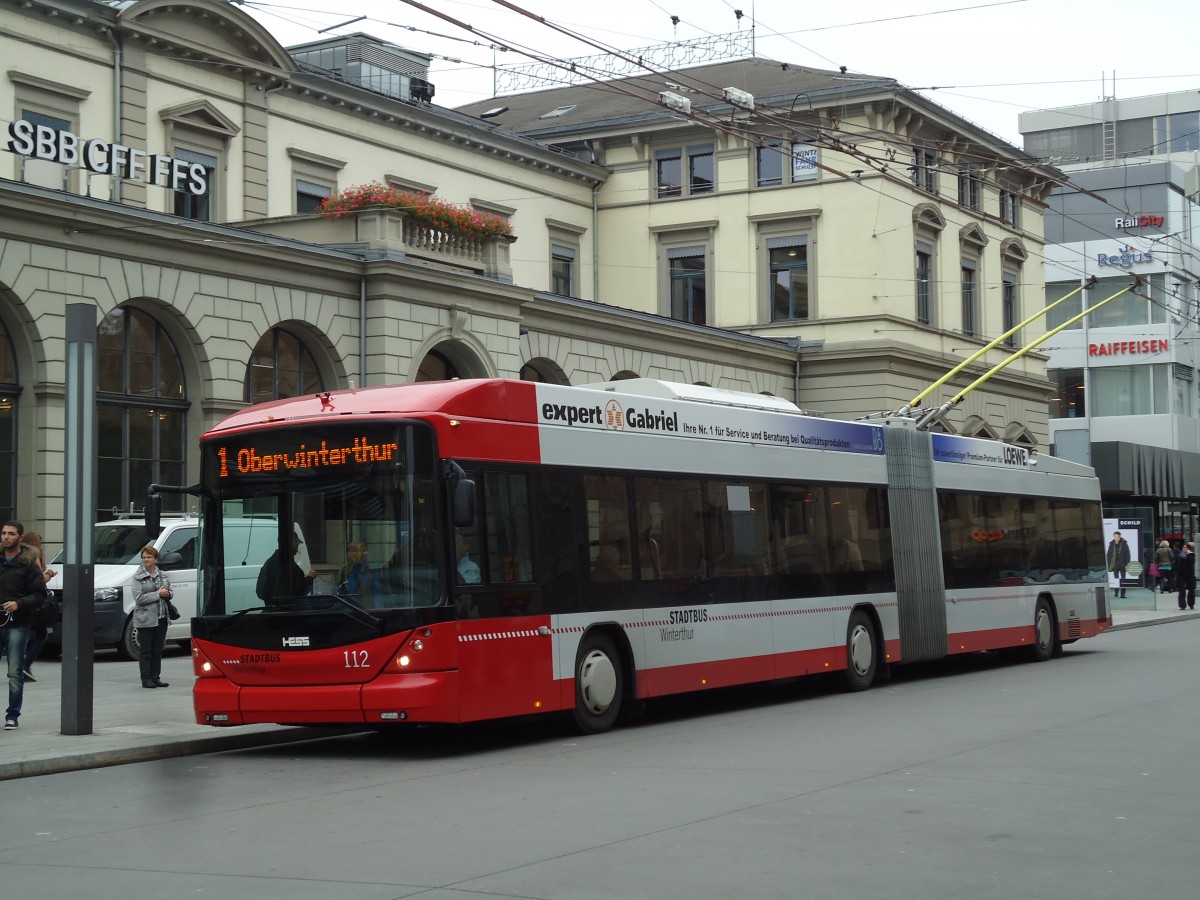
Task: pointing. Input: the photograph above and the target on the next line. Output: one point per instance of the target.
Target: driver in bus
(468, 569)
(281, 578)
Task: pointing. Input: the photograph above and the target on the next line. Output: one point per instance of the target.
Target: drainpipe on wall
(596, 242)
(800, 346)
(362, 331)
(114, 188)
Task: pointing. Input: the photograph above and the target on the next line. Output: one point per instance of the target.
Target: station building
(164, 159)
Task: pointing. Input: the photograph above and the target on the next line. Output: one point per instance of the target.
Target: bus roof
(503, 399)
(547, 410)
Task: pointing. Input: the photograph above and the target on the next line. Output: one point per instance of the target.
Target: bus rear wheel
(862, 652)
(599, 684)
(1045, 639)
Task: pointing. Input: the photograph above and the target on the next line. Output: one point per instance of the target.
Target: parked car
(248, 544)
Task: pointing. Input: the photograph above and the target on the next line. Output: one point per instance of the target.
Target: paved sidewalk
(132, 724)
(129, 722)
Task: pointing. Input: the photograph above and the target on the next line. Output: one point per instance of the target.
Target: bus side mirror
(153, 512)
(463, 503)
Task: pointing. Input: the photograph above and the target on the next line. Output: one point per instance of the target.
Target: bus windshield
(340, 517)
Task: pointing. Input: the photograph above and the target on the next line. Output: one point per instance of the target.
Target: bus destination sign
(250, 460)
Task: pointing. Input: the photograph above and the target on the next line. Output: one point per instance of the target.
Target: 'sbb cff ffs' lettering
(105, 158)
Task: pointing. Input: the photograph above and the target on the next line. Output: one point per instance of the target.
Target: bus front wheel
(599, 684)
(862, 654)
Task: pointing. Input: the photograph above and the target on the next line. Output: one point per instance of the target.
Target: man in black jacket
(22, 590)
(1185, 576)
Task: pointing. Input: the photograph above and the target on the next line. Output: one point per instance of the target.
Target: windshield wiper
(304, 604)
(221, 626)
(360, 614)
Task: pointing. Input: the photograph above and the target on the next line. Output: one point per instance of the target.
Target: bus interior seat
(801, 555)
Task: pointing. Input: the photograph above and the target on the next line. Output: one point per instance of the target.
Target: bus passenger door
(505, 648)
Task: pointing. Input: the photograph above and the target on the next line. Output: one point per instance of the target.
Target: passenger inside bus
(468, 569)
(846, 556)
(355, 576)
(280, 578)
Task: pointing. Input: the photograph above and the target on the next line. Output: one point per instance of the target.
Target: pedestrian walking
(22, 590)
(1165, 560)
(38, 632)
(152, 591)
(1185, 576)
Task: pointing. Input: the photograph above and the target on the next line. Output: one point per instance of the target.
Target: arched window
(280, 367)
(436, 366)
(10, 389)
(141, 402)
(543, 370)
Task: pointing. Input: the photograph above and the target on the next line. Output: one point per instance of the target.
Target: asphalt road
(975, 778)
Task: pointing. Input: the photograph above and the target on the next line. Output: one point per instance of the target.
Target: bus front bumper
(410, 697)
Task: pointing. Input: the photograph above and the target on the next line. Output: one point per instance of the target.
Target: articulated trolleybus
(495, 548)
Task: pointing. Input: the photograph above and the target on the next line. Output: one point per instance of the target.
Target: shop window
(142, 408)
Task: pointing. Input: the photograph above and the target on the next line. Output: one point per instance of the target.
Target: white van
(248, 544)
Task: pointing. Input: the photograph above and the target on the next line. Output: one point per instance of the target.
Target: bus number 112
(355, 659)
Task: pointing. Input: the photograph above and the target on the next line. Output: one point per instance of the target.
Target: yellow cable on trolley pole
(905, 410)
(933, 415)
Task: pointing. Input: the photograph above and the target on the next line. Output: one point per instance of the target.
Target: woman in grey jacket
(152, 590)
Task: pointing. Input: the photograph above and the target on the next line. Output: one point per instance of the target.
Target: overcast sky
(987, 61)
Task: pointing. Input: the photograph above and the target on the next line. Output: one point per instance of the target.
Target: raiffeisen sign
(105, 158)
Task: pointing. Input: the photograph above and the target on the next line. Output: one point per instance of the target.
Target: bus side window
(509, 545)
(800, 540)
(669, 526)
(739, 528)
(607, 504)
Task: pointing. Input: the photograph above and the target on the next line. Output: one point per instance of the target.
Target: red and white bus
(493, 548)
